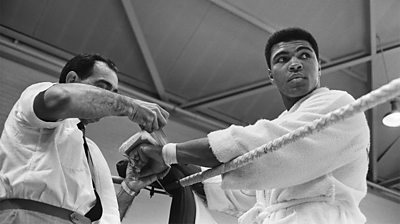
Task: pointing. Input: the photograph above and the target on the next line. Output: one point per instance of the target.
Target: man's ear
(72, 77)
(319, 68)
(270, 76)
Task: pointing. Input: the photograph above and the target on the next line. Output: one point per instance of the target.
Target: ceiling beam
(356, 61)
(344, 70)
(244, 15)
(137, 31)
(19, 37)
(16, 49)
(391, 182)
(373, 154)
(229, 95)
(387, 149)
(392, 193)
(345, 58)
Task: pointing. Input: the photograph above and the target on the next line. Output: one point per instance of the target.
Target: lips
(296, 76)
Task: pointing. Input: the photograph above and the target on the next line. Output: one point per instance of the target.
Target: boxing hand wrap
(169, 153)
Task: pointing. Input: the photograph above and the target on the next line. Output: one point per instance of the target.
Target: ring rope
(378, 96)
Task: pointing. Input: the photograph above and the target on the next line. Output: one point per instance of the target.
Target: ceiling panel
(388, 164)
(168, 27)
(265, 104)
(83, 27)
(342, 81)
(339, 26)
(13, 13)
(387, 21)
(219, 56)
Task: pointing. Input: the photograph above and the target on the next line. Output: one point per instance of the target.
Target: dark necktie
(97, 210)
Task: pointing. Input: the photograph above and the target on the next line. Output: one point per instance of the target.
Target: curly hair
(289, 34)
(83, 64)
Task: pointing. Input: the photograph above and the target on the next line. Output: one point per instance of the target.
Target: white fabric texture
(169, 154)
(324, 172)
(104, 185)
(45, 161)
(232, 202)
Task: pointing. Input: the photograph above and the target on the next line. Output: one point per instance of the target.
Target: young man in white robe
(317, 179)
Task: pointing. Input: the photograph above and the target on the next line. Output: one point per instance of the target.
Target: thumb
(149, 179)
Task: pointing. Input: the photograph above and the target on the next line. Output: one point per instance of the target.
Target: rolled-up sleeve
(25, 112)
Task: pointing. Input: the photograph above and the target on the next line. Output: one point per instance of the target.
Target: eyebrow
(297, 50)
(303, 48)
(109, 86)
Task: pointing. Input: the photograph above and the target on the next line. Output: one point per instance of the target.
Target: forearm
(197, 152)
(93, 102)
(124, 202)
(81, 101)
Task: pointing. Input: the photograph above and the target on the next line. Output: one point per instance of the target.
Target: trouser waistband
(44, 208)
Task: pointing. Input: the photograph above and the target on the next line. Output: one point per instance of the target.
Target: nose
(295, 65)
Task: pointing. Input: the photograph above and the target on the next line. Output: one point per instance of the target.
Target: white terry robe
(317, 179)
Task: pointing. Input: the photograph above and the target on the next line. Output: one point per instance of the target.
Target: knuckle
(142, 147)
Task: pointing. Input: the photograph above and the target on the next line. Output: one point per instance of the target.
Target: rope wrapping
(372, 99)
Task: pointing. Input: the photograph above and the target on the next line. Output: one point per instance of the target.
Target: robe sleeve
(231, 202)
(298, 162)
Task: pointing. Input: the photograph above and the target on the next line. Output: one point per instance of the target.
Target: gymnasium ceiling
(203, 59)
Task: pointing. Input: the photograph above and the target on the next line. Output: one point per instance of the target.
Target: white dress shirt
(46, 162)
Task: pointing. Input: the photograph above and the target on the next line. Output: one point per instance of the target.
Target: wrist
(169, 154)
(126, 106)
(128, 190)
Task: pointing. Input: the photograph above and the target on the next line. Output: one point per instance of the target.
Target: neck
(290, 101)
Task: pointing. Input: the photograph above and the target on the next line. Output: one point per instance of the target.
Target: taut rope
(378, 96)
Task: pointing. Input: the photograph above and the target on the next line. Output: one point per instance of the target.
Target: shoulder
(25, 104)
(328, 96)
(323, 100)
(38, 87)
(33, 90)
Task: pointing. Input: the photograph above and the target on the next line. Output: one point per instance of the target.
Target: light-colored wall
(111, 132)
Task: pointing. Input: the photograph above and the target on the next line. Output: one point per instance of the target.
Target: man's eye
(281, 59)
(103, 86)
(305, 55)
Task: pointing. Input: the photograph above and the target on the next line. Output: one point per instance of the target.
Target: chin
(297, 94)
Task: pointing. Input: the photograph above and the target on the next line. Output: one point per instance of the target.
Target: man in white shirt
(49, 171)
(317, 179)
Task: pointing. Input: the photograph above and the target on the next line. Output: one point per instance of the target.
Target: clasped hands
(147, 161)
(145, 157)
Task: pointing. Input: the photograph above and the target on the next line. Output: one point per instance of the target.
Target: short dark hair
(83, 64)
(289, 34)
